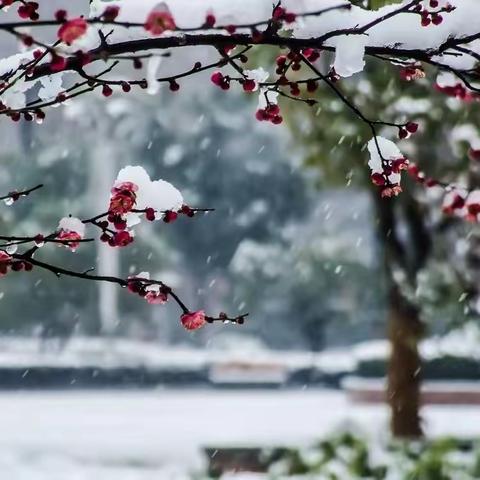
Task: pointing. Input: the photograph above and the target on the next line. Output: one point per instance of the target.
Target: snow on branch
(65, 57)
(12, 197)
(134, 197)
(419, 31)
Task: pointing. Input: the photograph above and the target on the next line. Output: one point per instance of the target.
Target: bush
(348, 457)
(443, 368)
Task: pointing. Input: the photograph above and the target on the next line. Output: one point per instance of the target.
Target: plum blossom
(462, 203)
(258, 76)
(474, 154)
(159, 195)
(5, 261)
(156, 297)
(448, 84)
(71, 229)
(160, 20)
(220, 80)
(271, 113)
(386, 168)
(71, 30)
(28, 10)
(472, 205)
(134, 281)
(111, 13)
(121, 239)
(281, 14)
(154, 294)
(454, 201)
(193, 320)
(268, 109)
(123, 198)
(413, 72)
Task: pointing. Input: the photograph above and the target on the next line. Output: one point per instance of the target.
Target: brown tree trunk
(403, 391)
(405, 328)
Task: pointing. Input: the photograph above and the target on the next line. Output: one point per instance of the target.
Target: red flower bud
(412, 127)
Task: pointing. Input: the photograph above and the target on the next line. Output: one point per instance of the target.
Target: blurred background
(96, 383)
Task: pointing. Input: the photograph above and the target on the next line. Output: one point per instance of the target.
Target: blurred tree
(412, 240)
(53, 311)
(201, 154)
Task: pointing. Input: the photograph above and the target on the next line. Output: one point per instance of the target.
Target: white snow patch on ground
(159, 434)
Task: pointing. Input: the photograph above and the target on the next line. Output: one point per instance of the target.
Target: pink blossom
(71, 237)
(4, 257)
(412, 73)
(71, 230)
(159, 21)
(5, 260)
(123, 199)
(156, 298)
(72, 30)
(111, 13)
(170, 216)
(454, 201)
(121, 239)
(193, 320)
(58, 63)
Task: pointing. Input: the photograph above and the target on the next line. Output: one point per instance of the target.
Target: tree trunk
(405, 328)
(403, 392)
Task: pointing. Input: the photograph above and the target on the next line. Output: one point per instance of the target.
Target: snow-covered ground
(110, 353)
(146, 435)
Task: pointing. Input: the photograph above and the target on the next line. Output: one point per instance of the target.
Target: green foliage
(346, 456)
(332, 140)
(376, 4)
(37, 301)
(444, 368)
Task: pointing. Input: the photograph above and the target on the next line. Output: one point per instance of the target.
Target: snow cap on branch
(349, 54)
(71, 229)
(386, 162)
(72, 224)
(158, 194)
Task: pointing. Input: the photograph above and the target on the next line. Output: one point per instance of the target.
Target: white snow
(349, 55)
(14, 97)
(135, 174)
(402, 30)
(259, 75)
(262, 98)
(447, 79)
(473, 198)
(152, 68)
(51, 86)
(461, 342)
(159, 434)
(465, 133)
(224, 349)
(110, 353)
(354, 383)
(389, 151)
(72, 224)
(158, 194)
(162, 195)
